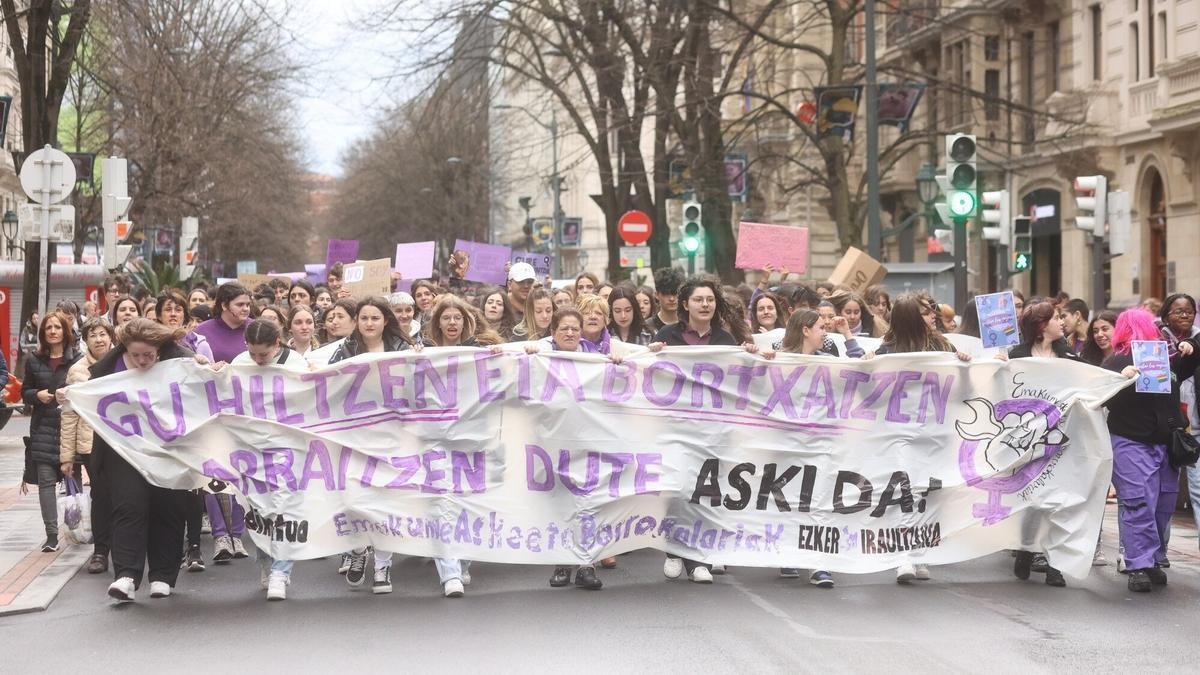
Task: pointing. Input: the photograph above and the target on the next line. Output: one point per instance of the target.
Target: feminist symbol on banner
(1003, 456)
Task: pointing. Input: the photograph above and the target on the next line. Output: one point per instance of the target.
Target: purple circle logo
(1005, 447)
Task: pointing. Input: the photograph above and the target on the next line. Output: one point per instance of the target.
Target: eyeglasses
(1182, 312)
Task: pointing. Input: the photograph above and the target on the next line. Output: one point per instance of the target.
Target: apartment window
(1028, 132)
(1162, 36)
(991, 89)
(1055, 58)
(991, 48)
(1135, 68)
(1097, 42)
(1150, 51)
(958, 83)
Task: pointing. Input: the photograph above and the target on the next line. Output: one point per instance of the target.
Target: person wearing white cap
(520, 281)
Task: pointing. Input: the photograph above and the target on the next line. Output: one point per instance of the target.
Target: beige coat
(76, 434)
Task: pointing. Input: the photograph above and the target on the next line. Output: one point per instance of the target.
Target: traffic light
(693, 231)
(114, 204)
(1022, 245)
(996, 214)
(961, 198)
(1091, 200)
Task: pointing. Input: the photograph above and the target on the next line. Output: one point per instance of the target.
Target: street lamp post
(9, 224)
(552, 127)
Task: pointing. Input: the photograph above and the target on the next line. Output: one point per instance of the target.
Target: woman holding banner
(264, 348)
(147, 521)
(171, 313)
(627, 325)
(339, 322)
(1141, 425)
(567, 329)
(226, 335)
(701, 307)
(914, 329)
(492, 301)
(1042, 335)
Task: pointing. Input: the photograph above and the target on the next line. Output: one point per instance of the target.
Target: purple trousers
(216, 515)
(1147, 487)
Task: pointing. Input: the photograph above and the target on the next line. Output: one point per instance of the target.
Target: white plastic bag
(75, 514)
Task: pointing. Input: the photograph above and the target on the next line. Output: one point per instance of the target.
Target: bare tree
(43, 53)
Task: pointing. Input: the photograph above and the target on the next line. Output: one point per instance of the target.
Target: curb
(36, 581)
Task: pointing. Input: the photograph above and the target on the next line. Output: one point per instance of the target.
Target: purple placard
(542, 262)
(315, 273)
(414, 261)
(341, 251)
(475, 261)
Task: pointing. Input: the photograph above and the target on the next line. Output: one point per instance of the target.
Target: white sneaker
(453, 588)
(277, 585)
(921, 572)
(222, 550)
(701, 575)
(382, 582)
(239, 549)
(159, 589)
(905, 573)
(673, 568)
(121, 590)
(205, 524)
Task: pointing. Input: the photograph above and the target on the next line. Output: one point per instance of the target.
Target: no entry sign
(635, 227)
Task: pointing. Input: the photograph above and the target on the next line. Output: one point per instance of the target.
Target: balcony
(1143, 99)
(1183, 81)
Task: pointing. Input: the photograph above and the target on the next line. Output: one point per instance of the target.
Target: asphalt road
(972, 617)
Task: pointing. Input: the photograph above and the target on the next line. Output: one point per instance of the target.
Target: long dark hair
(637, 325)
(509, 319)
(689, 287)
(908, 331)
(968, 321)
(735, 318)
(1091, 351)
(1033, 321)
(391, 325)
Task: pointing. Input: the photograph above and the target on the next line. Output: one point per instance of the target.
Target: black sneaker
(1164, 563)
(193, 561)
(51, 545)
(561, 577)
(97, 564)
(586, 579)
(1139, 581)
(1022, 565)
(1055, 578)
(821, 579)
(1040, 564)
(1157, 576)
(358, 569)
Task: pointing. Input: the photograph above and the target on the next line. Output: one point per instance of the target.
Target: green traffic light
(1021, 262)
(691, 245)
(961, 203)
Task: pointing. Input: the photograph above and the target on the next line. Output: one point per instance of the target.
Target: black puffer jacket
(45, 424)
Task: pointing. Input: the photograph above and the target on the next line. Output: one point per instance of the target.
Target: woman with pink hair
(1140, 425)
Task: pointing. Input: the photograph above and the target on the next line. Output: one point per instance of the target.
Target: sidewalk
(29, 579)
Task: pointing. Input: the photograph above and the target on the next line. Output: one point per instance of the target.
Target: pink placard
(759, 244)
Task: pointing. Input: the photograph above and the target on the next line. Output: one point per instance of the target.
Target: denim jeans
(48, 498)
(447, 568)
(264, 560)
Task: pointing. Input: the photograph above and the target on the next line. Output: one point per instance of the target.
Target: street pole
(44, 254)
(960, 264)
(556, 262)
(1098, 302)
(874, 224)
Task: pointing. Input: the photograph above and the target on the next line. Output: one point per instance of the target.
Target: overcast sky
(343, 91)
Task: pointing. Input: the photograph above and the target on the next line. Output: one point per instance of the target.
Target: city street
(972, 617)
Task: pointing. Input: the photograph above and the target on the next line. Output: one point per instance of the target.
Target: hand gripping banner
(706, 452)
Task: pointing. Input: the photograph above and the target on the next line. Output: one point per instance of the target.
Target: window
(991, 89)
(1054, 65)
(1150, 52)
(1028, 132)
(1162, 37)
(1135, 70)
(1097, 43)
(957, 83)
(991, 48)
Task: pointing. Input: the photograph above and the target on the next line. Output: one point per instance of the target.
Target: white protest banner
(705, 452)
